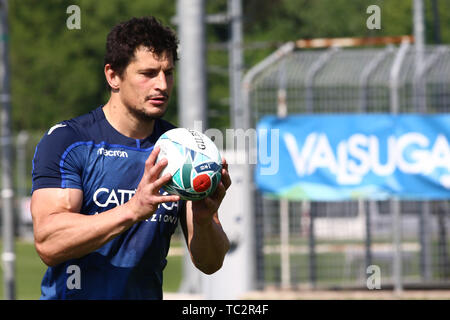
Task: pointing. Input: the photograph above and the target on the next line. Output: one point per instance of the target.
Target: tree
(57, 73)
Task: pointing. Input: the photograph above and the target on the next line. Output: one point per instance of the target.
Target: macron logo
(112, 153)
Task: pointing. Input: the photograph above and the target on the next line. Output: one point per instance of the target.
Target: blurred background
(252, 60)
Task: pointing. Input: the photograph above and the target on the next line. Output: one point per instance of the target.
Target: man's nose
(161, 81)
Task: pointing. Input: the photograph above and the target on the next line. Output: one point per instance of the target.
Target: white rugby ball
(194, 162)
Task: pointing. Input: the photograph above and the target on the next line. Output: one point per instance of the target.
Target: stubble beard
(143, 115)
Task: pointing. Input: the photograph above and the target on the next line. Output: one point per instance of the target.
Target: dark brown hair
(124, 38)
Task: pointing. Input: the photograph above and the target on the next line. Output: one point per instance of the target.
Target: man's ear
(112, 77)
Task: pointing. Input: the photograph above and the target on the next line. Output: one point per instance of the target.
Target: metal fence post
(397, 240)
(312, 252)
(21, 169)
(368, 243)
(424, 230)
(420, 104)
(236, 62)
(284, 247)
(284, 203)
(394, 202)
(7, 194)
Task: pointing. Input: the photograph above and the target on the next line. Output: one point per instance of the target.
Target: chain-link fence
(332, 244)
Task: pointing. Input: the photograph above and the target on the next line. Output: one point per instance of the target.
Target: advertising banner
(334, 157)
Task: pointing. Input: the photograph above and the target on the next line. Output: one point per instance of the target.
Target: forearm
(208, 245)
(67, 235)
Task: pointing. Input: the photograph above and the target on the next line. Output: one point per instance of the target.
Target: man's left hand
(204, 210)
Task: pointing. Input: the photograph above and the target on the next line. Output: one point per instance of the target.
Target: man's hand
(204, 210)
(147, 197)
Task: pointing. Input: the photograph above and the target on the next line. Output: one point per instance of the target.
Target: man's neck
(125, 122)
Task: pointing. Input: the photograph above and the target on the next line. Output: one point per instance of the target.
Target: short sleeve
(56, 163)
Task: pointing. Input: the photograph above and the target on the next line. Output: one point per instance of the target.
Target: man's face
(147, 83)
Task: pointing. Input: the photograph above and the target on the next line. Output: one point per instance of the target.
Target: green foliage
(57, 73)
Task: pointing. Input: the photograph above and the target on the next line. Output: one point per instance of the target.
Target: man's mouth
(157, 99)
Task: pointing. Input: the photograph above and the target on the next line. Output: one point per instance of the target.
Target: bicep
(48, 201)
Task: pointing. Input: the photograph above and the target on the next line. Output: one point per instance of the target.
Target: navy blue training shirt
(87, 153)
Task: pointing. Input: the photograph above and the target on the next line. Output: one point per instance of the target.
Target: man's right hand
(147, 198)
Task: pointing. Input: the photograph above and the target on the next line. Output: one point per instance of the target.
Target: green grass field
(30, 270)
(331, 266)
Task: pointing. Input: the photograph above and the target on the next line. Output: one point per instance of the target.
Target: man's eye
(149, 74)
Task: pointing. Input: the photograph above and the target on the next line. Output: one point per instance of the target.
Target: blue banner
(341, 157)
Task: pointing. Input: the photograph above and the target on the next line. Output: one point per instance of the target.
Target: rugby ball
(194, 162)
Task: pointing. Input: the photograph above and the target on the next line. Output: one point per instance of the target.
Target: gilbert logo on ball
(194, 162)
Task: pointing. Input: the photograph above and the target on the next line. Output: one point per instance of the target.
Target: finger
(220, 192)
(154, 154)
(151, 160)
(226, 179)
(224, 163)
(160, 182)
(156, 170)
(170, 198)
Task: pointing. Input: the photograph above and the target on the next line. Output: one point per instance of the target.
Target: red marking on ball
(201, 183)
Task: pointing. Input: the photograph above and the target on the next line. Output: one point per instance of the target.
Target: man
(101, 221)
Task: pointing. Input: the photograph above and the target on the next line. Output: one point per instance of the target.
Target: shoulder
(67, 132)
(50, 154)
(58, 137)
